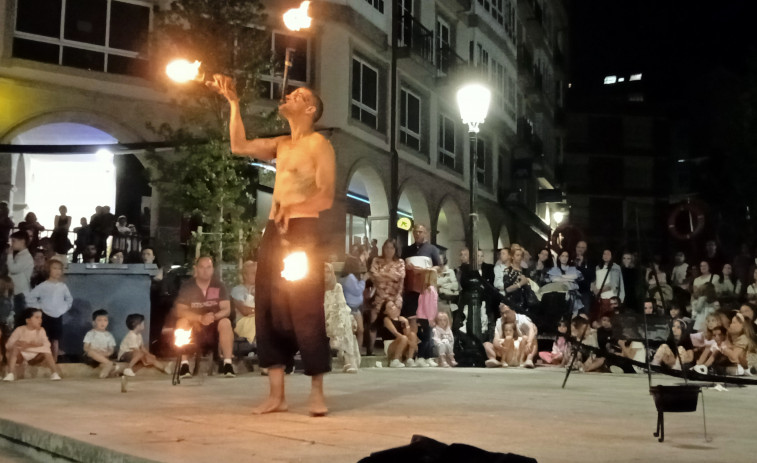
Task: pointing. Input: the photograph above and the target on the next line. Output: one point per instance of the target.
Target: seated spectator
(449, 287)
(340, 324)
(730, 287)
(353, 285)
(203, 307)
(706, 337)
(711, 352)
(444, 341)
(605, 339)
(90, 255)
(132, 349)
(54, 299)
(243, 300)
(504, 350)
(148, 257)
(388, 276)
(29, 344)
(739, 344)
(542, 266)
(751, 290)
(588, 359)
(121, 233)
(748, 310)
(705, 276)
(678, 351)
(99, 344)
(525, 333)
(560, 347)
(632, 350)
(400, 344)
(703, 305)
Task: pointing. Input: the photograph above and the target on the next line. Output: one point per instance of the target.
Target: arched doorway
(367, 207)
(412, 204)
(485, 240)
(503, 240)
(451, 230)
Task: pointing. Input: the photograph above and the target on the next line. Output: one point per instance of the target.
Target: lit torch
(182, 71)
(294, 19)
(180, 339)
(295, 266)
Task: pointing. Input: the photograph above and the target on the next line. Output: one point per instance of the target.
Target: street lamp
(473, 101)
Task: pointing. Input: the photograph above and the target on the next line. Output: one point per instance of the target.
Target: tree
(204, 179)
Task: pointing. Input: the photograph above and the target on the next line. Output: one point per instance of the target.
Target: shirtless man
(290, 315)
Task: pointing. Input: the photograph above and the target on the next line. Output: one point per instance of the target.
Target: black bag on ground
(425, 450)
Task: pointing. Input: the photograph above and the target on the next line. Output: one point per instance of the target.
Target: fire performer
(289, 314)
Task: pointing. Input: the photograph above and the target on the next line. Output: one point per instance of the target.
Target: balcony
(532, 16)
(448, 64)
(525, 63)
(415, 39)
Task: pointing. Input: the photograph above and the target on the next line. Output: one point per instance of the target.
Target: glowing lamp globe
(297, 18)
(558, 216)
(182, 71)
(473, 102)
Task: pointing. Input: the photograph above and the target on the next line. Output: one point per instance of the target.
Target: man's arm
(259, 148)
(183, 311)
(225, 310)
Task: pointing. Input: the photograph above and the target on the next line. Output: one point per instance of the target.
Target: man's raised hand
(225, 86)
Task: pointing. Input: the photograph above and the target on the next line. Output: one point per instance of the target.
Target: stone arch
(364, 181)
(503, 240)
(485, 239)
(413, 201)
(100, 121)
(450, 229)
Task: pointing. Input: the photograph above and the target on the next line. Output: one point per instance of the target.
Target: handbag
(529, 296)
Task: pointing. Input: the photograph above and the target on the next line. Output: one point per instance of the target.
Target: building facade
(84, 68)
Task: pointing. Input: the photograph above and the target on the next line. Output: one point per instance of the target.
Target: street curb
(36, 442)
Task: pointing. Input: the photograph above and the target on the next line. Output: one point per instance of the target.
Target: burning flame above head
(297, 18)
(295, 266)
(181, 337)
(182, 71)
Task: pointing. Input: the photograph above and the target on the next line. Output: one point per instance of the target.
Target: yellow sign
(404, 223)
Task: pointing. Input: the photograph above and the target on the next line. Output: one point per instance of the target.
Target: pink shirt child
(427, 304)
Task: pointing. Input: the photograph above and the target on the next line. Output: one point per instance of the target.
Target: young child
(99, 344)
(29, 344)
(584, 334)
(427, 311)
(679, 339)
(132, 348)
(399, 342)
(444, 341)
(738, 344)
(560, 347)
(524, 332)
(711, 351)
(54, 298)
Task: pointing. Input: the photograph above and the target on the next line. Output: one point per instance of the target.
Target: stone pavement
(598, 417)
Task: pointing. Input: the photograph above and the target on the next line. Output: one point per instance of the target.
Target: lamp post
(473, 102)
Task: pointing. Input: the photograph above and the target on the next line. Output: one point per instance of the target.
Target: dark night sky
(671, 42)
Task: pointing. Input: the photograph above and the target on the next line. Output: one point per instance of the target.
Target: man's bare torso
(296, 168)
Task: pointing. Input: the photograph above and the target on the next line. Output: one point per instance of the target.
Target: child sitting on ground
(738, 345)
(711, 351)
(524, 333)
(680, 340)
(132, 347)
(444, 341)
(99, 344)
(29, 344)
(399, 342)
(560, 347)
(54, 298)
(584, 335)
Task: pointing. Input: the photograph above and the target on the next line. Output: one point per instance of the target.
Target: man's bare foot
(317, 405)
(271, 405)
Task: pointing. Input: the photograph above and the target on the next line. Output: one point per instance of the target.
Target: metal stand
(287, 66)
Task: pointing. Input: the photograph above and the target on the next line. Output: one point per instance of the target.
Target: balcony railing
(448, 61)
(414, 37)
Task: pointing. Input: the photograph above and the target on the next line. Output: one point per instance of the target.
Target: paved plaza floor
(598, 417)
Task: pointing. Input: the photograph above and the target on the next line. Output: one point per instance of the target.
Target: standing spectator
(148, 257)
(582, 264)
(32, 227)
(705, 276)
(203, 306)
(243, 299)
(608, 283)
(54, 298)
(541, 267)
(340, 322)
(751, 290)
(108, 222)
(98, 231)
(6, 312)
(39, 273)
(513, 281)
(61, 243)
(84, 237)
(713, 256)
(569, 275)
(502, 264)
(20, 267)
(388, 276)
(6, 225)
(63, 220)
(631, 280)
(449, 288)
(420, 257)
(679, 276)
(730, 287)
(703, 305)
(121, 234)
(353, 285)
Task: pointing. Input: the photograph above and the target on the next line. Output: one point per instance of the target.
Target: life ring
(695, 211)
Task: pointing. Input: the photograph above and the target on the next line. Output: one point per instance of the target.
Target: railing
(416, 38)
(447, 60)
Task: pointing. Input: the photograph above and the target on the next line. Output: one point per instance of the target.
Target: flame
(297, 18)
(295, 266)
(182, 337)
(182, 71)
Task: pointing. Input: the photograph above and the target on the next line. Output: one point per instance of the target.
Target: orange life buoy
(695, 211)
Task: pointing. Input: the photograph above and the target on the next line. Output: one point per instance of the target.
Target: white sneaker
(492, 363)
(528, 364)
(701, 369)
(55, 377)
(615, 369)
(432, 363)
(410, 363)
(129, 372)
(396, 364)
(421, 362)
(9, 377)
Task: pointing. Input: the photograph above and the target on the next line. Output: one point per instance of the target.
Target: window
(443, 48)
(298, 73)
(98, 35)
(495, 8)
(365, 92)
(483, 162)
(406, 23)
(447, 155)
(377, 4)
(410, 119)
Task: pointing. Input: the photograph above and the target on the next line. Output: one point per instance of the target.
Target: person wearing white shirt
(679, 274)
(20, 267)
(704, 277)
(499, 269)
